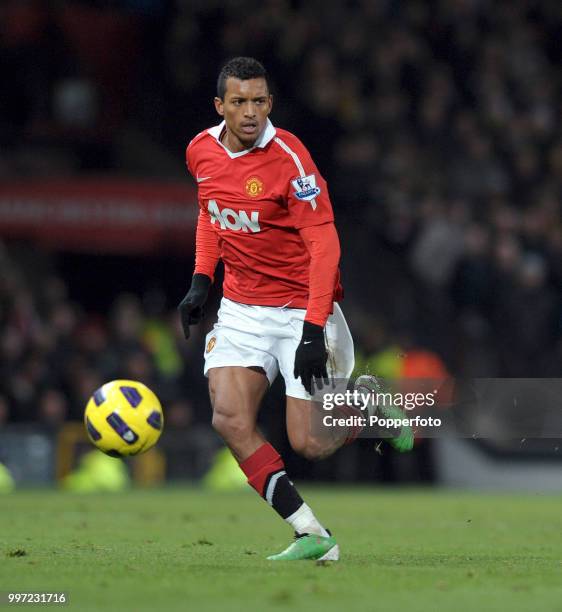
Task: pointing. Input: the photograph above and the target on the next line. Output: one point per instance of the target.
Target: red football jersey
(256, 201)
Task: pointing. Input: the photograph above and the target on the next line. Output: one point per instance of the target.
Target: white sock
(304, 521)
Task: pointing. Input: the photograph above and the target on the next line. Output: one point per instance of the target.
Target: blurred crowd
(437, 124)
(54, 353)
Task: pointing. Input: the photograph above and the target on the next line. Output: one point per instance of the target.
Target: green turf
(185, 549)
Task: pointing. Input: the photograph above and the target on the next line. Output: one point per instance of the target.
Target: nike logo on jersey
(230, 219)
(307, 342)
(200, 179)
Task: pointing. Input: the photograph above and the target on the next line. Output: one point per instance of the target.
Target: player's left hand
(311, 357)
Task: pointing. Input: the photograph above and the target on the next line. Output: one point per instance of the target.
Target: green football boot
(309, 546)
(401, 440)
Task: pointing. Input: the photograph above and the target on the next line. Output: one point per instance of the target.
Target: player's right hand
(191, 307)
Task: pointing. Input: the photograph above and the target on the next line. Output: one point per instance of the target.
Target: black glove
(311, 357)
(191, 307)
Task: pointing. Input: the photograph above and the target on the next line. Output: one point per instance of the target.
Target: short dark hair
(242, 68)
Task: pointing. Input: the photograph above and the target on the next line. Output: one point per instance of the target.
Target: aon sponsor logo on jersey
(233, 220)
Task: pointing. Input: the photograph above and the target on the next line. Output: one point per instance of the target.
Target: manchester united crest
(254, 186)
(211, 344)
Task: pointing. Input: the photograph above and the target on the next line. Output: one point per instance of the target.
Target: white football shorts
(267, 337)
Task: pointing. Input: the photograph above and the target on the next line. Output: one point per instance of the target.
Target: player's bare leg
(236, 394)
(303, 439)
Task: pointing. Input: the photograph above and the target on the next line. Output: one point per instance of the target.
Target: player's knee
(230, 426)
(308, 447)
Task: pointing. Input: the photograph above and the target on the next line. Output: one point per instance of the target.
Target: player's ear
(270, 103)
(219, 106)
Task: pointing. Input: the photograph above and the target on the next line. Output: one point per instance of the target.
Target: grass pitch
(186, 549)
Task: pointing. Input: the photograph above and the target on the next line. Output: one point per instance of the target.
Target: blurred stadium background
(438, 127)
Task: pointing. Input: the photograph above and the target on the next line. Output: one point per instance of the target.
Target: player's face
(245, 108)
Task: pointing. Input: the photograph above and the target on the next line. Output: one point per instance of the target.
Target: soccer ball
(124, 417)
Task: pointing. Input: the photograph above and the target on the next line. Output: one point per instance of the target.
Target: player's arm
(207, 250)
(311, 211)
(323, 245)
(207, 255)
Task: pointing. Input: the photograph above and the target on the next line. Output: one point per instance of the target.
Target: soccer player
(264, 209)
